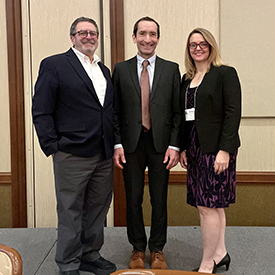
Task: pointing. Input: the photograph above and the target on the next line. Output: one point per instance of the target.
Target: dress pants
(83, 191)
(144, 156)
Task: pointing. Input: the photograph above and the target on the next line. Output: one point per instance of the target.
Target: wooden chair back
(10, 261)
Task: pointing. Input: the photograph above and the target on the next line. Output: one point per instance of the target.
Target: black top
(218, 110)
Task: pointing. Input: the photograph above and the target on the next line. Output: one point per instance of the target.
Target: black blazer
(164, 105)
(66, 111)
(218, 110)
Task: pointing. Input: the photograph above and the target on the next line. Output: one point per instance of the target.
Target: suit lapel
(158, 71)
(132, 65)
(72, 58)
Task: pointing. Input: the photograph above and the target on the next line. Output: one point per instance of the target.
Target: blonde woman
(211, 107)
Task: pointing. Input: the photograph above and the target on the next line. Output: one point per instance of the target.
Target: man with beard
(73, 117)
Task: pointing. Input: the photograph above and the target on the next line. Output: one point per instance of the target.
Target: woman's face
(200, 53)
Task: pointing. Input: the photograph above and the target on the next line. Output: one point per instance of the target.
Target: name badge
(190, 114)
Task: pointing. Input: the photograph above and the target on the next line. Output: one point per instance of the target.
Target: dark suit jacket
(66, 111)
(164, 105)
(218, 110)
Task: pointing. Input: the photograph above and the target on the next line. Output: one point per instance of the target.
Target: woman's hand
(183, 160)
(221, 162)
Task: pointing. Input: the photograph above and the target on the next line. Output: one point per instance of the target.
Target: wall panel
(242, 213)
(5, 161)
(177, 19)
(6, 206)
(257, 145)
(240, 28)
(46, 32)
(247, 41)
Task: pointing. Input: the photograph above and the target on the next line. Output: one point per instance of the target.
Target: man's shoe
(71, 272)
(137, 260)
(98, 267)
(158, 260)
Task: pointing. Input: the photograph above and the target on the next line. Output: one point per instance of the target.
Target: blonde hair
(214, 55)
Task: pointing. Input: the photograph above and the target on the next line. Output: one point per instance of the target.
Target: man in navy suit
(73, 116)
(139, 145)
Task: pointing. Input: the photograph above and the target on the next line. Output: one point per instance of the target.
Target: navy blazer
(218, 110)
(66, 111)
(164, 105)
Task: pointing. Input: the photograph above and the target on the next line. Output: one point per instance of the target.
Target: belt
(145, 130)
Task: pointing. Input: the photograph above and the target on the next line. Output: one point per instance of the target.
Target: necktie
(145, 95)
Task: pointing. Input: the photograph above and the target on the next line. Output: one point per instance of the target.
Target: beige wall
(250, 209)
(245, 38)
(245, 42)
(5, 160)
(46, 27)
(5, 165)
(240, 30)
(258, 145)
(177, 19)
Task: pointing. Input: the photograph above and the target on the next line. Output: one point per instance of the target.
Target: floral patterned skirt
(204, 187)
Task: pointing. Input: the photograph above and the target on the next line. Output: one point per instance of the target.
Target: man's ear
(72, 39)
(134, 38)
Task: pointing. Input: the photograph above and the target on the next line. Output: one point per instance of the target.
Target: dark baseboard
(246, 178)
(5, 178)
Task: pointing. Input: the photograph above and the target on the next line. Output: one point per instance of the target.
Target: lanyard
(195, 95)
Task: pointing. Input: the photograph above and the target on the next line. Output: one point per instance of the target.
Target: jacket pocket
(72, 127)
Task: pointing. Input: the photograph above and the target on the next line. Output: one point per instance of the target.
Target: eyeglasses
(202, 45)
(84, 33)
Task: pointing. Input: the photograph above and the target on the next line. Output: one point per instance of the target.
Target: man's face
(85, 44)
(146, 38)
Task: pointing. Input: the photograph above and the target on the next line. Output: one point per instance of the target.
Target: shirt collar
(151, 60)
(84, 58)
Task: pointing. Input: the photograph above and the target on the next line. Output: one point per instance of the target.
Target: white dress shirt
(150, 68)
(94, 72)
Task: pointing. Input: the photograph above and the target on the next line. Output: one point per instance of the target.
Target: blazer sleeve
(183, 129)
(117, 107)
(43, 106)
(175, 133)
(232, 110)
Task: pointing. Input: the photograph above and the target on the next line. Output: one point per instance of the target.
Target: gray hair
(82, 19)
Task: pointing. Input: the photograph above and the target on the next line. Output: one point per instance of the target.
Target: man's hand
(173, 157)
(119, 157)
